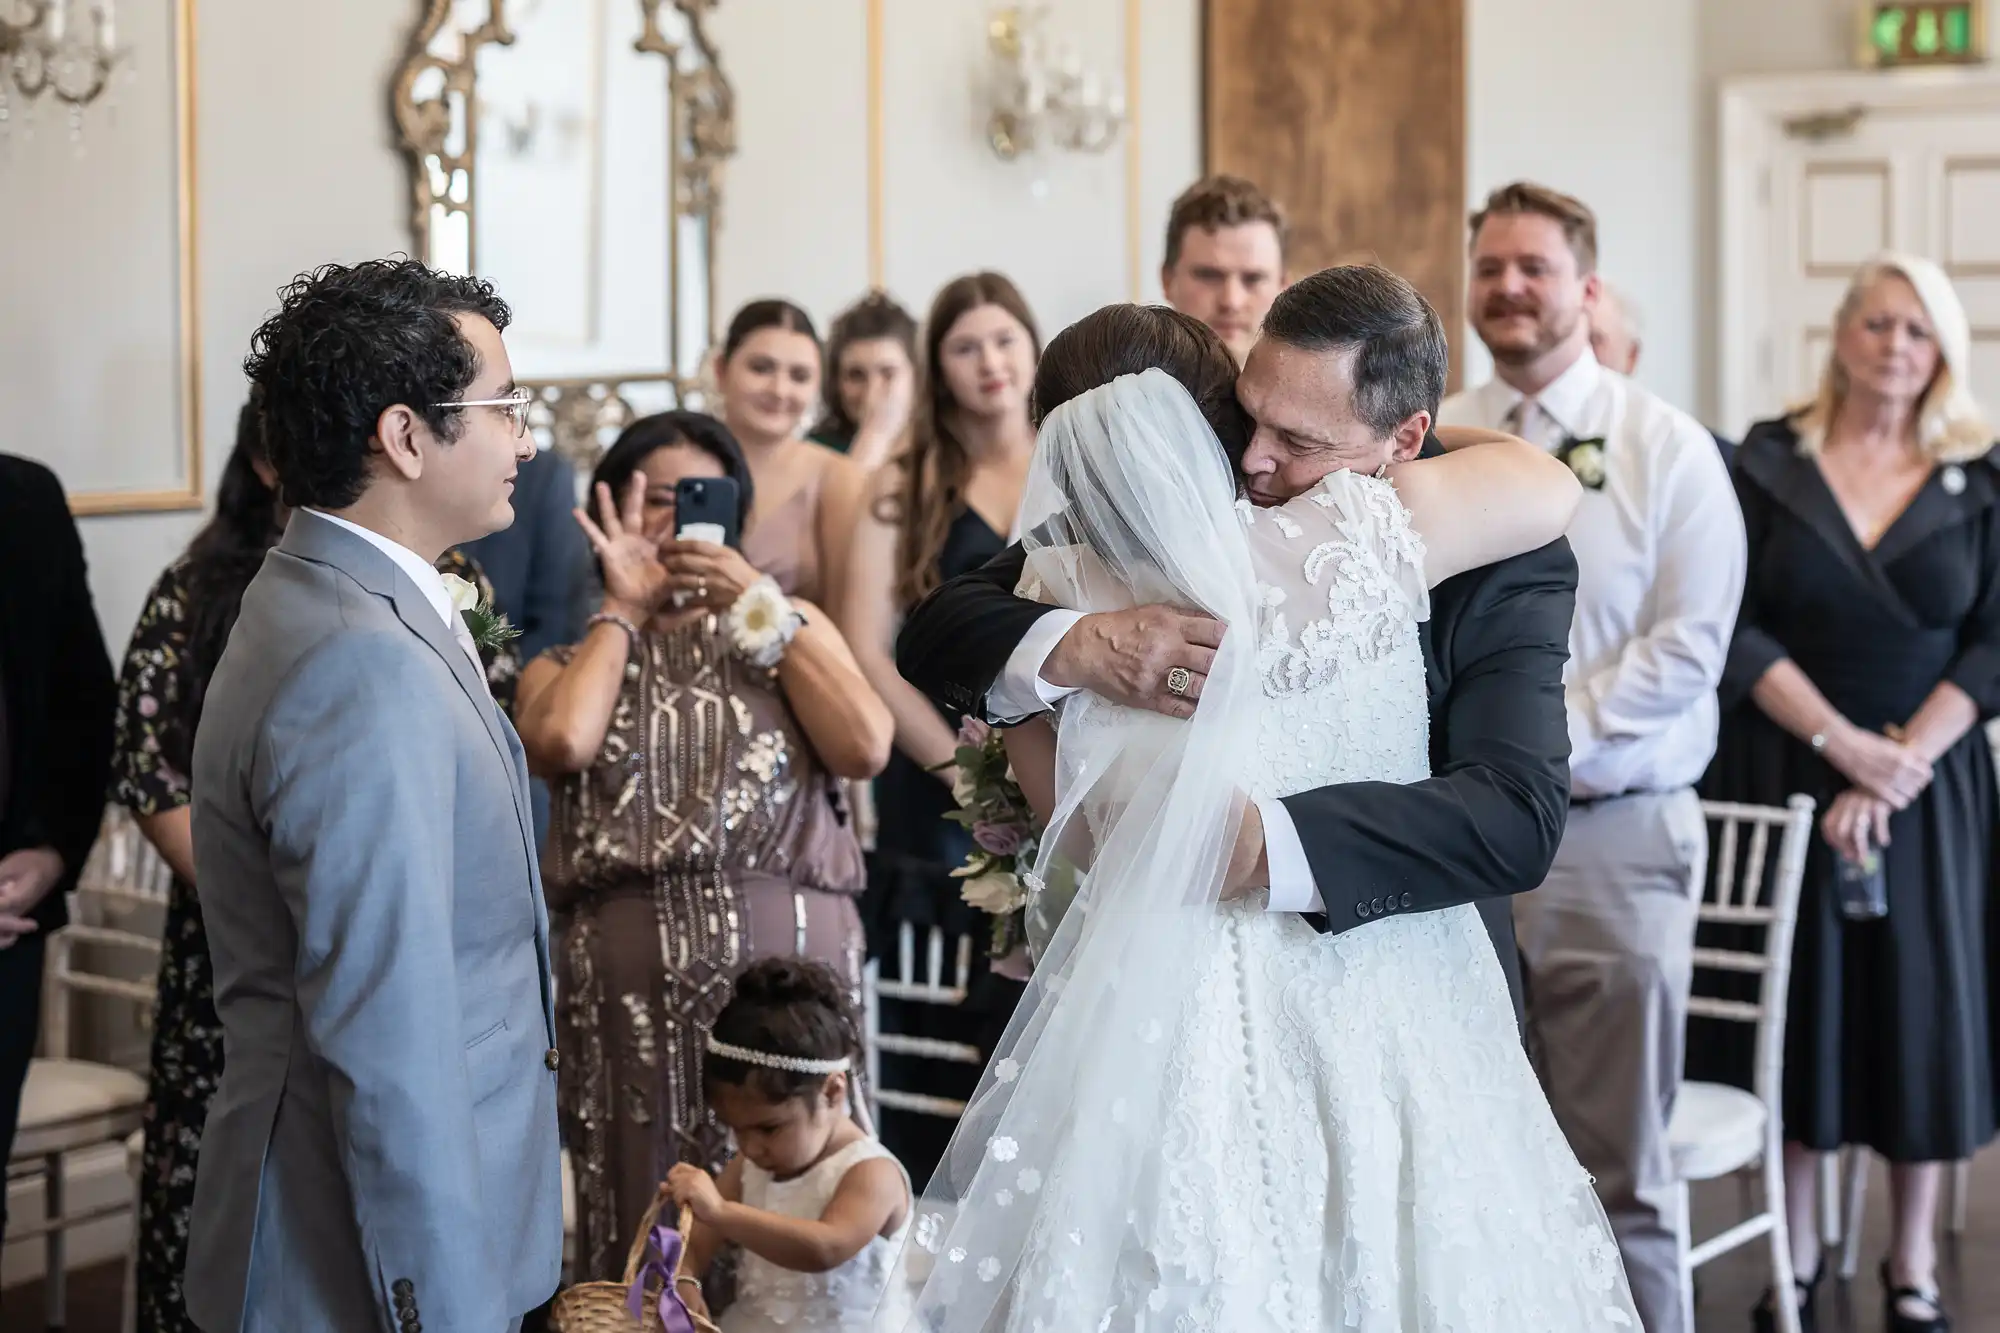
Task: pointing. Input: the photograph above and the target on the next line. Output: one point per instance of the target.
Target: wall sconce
(1042, 94)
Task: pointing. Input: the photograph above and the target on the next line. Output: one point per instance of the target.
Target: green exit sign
(1924, 32)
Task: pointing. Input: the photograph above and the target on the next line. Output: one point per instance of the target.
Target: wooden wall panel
(1351, 113)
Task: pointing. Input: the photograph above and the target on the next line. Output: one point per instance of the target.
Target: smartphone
(705, 510)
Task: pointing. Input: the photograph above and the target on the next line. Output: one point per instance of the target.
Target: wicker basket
(601, 1307)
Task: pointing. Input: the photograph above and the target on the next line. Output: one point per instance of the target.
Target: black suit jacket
(60, 692)
(1483, 827)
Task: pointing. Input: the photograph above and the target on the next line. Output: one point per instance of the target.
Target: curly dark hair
(784, 1006)
(348, 342)
(229, 550)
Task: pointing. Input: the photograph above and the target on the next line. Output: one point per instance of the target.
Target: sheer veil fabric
(1130, 501)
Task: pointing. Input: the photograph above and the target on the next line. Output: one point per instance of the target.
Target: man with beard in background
(1607, 941)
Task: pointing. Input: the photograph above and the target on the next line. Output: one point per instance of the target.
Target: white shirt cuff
(1292, 886)
(1020, 692)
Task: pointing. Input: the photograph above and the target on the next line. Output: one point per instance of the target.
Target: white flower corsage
(762, 624)
(490, 630)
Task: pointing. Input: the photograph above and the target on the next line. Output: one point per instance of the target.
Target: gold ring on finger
(1178, 681)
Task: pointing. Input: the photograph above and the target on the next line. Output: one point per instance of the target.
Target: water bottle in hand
(1864, 891)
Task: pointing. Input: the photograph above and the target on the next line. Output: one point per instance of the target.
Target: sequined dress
(706, 835)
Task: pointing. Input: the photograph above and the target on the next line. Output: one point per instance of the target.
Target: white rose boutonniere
(490, 630)
(1585, 459)
(762, 624)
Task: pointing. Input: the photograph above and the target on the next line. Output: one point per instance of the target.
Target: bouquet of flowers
(1004, 835)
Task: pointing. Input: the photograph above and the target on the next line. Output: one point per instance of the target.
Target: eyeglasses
(517, 408)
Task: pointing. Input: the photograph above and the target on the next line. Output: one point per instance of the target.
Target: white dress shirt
(429, 582)
(1660, 563)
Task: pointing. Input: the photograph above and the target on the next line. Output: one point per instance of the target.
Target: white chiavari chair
(1716, 1129)
(70, 1106)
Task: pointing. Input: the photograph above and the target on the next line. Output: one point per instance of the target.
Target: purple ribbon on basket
(663, 1255)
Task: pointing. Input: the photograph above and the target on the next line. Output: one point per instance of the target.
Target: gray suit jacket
(382, 1150)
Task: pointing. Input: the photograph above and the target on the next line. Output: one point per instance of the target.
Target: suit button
(403, 1288)
(1375, 906)
(1361, 910)
(552, 1059)
(1406, 900)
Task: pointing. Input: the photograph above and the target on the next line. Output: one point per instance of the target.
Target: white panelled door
(1821, 171)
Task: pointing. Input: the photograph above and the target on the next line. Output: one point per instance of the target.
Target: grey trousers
(1607, 947)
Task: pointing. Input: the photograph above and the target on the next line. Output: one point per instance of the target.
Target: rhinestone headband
(791, 1064)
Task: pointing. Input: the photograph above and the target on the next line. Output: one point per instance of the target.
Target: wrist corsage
(763, 623)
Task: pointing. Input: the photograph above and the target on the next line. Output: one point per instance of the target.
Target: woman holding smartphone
(692, 741)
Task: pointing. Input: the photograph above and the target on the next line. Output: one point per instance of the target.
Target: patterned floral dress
(151, 760)
(705, 836)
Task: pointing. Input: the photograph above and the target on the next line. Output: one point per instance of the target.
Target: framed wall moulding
(604, 243)
(101, 363)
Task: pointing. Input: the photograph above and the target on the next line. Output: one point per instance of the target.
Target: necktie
(1527, 420)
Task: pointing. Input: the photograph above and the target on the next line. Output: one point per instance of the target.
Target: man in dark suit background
(540, 572)
(1487, 823)
(57, 695)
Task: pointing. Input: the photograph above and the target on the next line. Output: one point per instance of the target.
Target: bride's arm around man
(1347, 376)
(382, 1150)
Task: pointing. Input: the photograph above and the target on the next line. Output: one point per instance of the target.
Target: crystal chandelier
(1042, 94)
(44, 49)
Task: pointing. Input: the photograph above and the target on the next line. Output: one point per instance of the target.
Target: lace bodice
(770, 1298)
(1340, 575)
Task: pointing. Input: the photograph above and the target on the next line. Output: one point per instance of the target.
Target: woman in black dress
(1866, 654)
(181, 632)
(943, 508)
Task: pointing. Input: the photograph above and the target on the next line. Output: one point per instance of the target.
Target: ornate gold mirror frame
(434, 99)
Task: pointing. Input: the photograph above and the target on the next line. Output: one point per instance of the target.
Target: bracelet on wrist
(613, 618)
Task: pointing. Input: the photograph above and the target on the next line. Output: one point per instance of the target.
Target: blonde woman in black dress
(1866, 655)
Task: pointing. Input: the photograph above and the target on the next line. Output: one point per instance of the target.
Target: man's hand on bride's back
(1129, 657)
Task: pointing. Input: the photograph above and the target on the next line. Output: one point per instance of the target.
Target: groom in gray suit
(382, 1152)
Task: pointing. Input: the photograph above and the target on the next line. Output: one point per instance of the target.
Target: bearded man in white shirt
(1607, 941)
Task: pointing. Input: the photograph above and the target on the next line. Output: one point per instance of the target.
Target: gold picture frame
(433, 97)
(194, 494)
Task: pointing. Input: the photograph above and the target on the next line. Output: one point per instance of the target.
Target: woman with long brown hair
(945, 507)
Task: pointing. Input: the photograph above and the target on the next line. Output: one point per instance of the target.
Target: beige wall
(297, 166)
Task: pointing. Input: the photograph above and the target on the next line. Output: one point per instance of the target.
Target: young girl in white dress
(818, 1207)
(1206, 1115)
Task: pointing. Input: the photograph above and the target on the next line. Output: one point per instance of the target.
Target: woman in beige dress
(692, 741)
(808, 496)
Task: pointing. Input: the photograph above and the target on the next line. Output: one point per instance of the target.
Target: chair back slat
(1740, 1011)
(918, 982)
(124, 881)
(1724, 861)
(1731, 960)
(1757, 895)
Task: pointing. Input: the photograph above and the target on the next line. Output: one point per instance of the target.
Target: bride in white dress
(1206, 1115)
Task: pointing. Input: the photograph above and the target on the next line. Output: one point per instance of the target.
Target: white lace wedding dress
(1343, 1131)
(1355, 1139)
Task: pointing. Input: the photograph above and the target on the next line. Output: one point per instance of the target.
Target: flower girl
(818, 1206)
